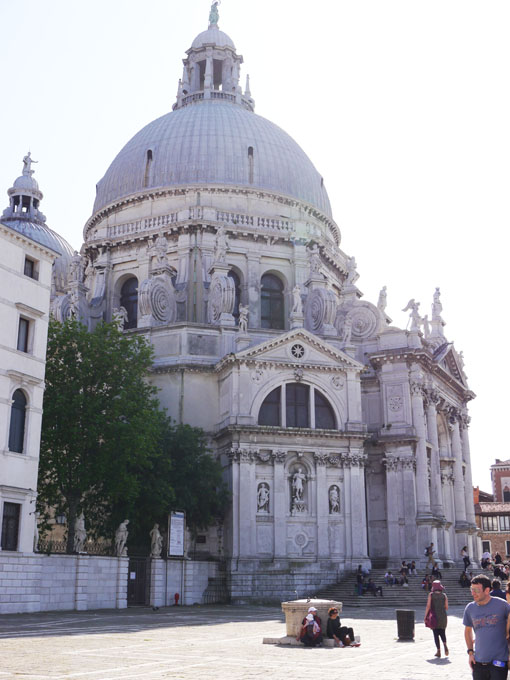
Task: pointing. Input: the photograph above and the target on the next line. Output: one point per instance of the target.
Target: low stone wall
(189, 578)
(31, 582)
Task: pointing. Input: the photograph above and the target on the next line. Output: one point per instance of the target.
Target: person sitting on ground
(412, 569)
(372, 588)
(342, 635)
(403, 574)
(311, 630)
(426, 583)
(359, 580)
(464, 580)
(436, 574)
(498, 572)
(486, 560)
(496, 590)
(389, 579)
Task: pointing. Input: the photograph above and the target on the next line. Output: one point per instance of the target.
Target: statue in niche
(381, 303)
(351, 270)
(334, 500)
(120, 317)
(243, 318)
(347, 330)
(298, 484)
(263, 497)
(156, 541)
(160, 246)
(315, 260)
(121, 536)
(221, 245)
(27, 165)
(297, 302)
(80, 534)
(415, 317)
(214, 15)
(74, 304)
(76, 268)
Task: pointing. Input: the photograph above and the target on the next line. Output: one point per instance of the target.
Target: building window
(486, 546)
(504, 522)
(148, 164)
(23, 329)
(269, 413)
(271, 302)
(301, 402)
(506, 494)
(129, 300)
(490, 523)
(17, 424)
(30, 268)
(237, 299)
(507, 543)
(10, 526)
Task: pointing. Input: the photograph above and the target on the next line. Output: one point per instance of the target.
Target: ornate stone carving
(382, 301)
(337, 381)
(120, 317)
(346, 330)
(121, 536)
(334, 500)
(297, 302)
(364, 322)
(221, 245)
(80, 534)
(264, 456)
(298, 374)
(221, 299)
(257, 375)
(61, 308)
(416, 389)
(315, 260)
(156, 541)
(414, 317)
(297, 351)
(75, 269)
(298, 481)
(320, 458)
(243, 318)
(263, 497)
(395, 403)
(320, 309)
(156, 302)
(279, 456)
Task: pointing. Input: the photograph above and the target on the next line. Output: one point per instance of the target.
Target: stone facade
(343, 438)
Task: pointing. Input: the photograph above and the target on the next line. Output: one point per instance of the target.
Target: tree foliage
(102, 428)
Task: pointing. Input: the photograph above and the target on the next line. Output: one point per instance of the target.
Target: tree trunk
(73, 513)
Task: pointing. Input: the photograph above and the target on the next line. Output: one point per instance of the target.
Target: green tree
(102, 430)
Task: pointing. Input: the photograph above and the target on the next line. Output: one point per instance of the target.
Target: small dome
(213, 36)
(41, 234)
(26, 182)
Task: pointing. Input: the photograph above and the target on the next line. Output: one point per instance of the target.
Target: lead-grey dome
(209, 142)
(213, 36)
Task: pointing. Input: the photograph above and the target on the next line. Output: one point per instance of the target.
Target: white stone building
(27, 255)
(343, 438)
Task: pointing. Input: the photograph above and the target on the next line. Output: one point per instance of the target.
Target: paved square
(218, 641)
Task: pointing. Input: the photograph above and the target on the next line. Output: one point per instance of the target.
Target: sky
(402, 105)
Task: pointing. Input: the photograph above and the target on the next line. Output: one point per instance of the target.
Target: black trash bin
(405, 624)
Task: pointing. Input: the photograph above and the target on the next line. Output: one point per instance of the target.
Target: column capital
(279, 456)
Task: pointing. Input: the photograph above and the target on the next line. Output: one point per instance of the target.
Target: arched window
(506, 494)
(237, 300)
(324, 415)
(269, 413)
(129, 300)
(301, 401)
(271, 304)
(17, 424)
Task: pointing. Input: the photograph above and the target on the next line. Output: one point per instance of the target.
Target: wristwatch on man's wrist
(470, 651)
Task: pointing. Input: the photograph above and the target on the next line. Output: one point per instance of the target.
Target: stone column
(391, 464)
(280, 504)
(422, 476)
(253, 287)
(458, 484)
(122, 582)
(247, 504)
(412, 537)
(233, 456)
(468, 482)
(157, 586)
(357, 461)
(322, 505)
(435, 465)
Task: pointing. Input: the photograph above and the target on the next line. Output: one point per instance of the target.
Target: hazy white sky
(402, 105)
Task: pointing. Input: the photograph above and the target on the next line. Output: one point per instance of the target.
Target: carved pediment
(297, 347)
(449, 359)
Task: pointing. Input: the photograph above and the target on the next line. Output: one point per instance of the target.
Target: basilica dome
(213, 142)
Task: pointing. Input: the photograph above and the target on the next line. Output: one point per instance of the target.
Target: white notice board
(176, 525)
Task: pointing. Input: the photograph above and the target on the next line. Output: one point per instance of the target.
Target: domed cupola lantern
(211, 70)
(25, 196)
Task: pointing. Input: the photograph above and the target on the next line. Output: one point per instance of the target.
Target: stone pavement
(219, 641)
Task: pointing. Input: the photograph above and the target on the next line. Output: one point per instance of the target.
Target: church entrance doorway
(138, 593)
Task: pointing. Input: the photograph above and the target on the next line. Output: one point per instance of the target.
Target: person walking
(429, 553)
(489, 619)
(437, 603)
(465, 557)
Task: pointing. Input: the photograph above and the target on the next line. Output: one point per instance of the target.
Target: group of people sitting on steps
(311, 630)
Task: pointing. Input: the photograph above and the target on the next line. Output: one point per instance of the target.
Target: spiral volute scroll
(320, 309)
(157, 301)
(221, 298)
(61, 308)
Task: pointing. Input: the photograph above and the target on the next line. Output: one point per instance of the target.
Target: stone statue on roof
(214, 15)
(27, 165)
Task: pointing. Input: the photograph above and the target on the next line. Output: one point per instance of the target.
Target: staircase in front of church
(397, 596)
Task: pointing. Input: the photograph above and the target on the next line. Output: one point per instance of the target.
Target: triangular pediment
(449, 359)
(286, 349)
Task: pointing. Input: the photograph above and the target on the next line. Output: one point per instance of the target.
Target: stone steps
(397, 596)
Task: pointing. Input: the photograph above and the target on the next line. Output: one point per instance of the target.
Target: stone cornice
(293, 432)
